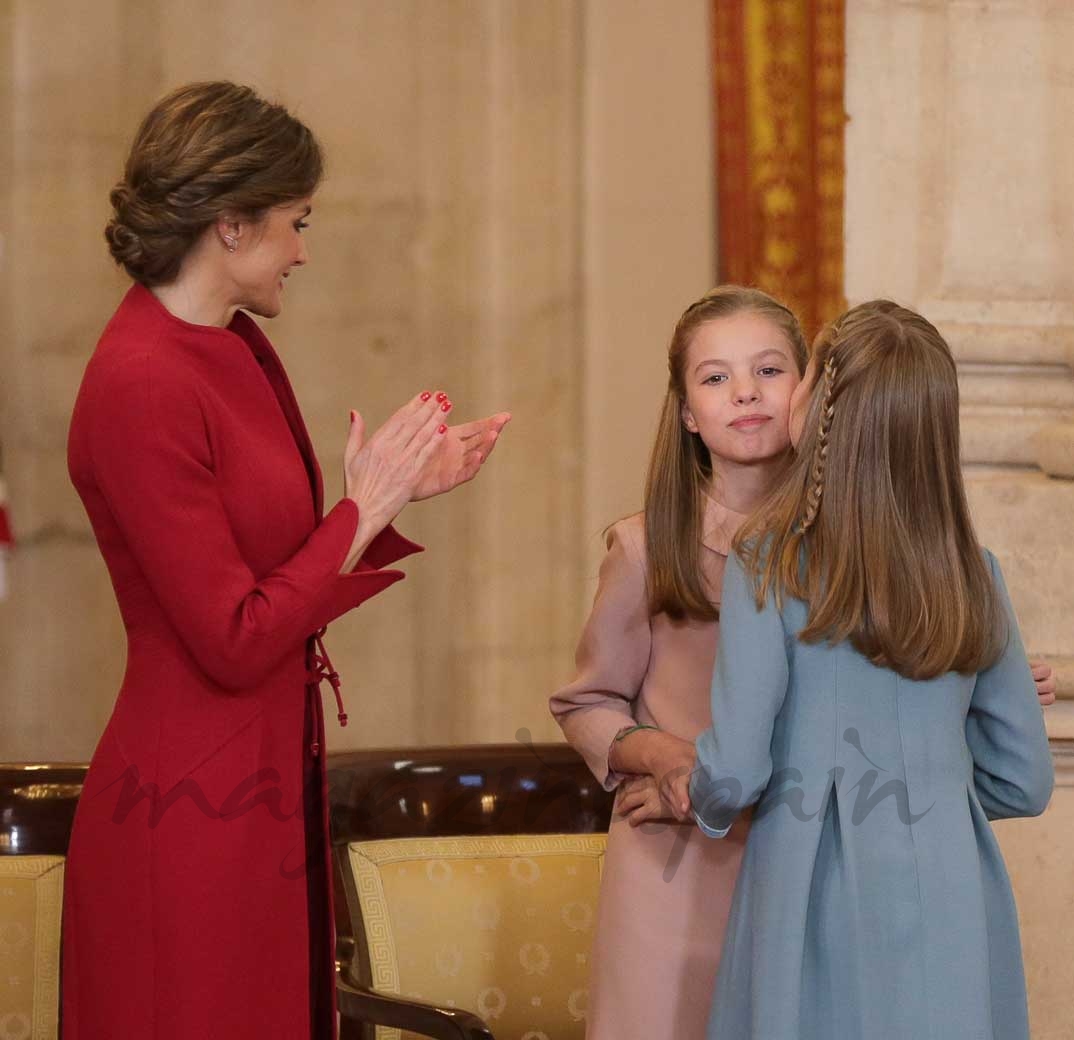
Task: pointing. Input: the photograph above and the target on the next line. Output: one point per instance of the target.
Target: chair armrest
(345, 954)
(366, 1005)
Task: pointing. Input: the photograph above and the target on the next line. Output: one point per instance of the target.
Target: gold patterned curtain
(779, 150)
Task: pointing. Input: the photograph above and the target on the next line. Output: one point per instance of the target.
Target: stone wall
(960, 203)
(509, 214)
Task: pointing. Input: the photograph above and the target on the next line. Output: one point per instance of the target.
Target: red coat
(189, 911)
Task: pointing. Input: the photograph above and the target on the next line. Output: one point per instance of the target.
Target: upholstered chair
(37, 805)
(469, 877)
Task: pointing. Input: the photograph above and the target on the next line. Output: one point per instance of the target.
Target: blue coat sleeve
(749, 684)
(1012, 764)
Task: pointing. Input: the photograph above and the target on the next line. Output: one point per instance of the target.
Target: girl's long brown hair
(870, 526)
(680, 468)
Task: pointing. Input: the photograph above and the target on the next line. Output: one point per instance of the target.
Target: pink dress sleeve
(612, 656)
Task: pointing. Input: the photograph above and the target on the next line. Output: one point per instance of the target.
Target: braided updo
(204, 149)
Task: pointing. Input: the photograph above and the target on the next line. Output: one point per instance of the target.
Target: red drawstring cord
(322, 669)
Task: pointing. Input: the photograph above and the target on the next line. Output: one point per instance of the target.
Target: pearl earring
(231, 244)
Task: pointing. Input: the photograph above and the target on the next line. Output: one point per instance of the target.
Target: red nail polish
(446, 406)
(441, 397)
(426, 395)
(441, 428)
(354, 415)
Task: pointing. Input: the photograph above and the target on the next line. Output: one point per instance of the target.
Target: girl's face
(800, 402)
(740, 376)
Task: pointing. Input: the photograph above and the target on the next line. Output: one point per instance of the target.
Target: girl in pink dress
(641, 694)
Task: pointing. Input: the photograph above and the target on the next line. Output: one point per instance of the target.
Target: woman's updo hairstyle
(205, 149)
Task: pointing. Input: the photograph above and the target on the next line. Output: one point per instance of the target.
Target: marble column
(959, 203)
(959, 149)
(1037, 853)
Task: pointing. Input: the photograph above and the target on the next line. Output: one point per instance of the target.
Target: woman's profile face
(266, 253)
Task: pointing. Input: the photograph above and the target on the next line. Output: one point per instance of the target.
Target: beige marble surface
(1053, 447)
(445, 253)
(1024, 517)
(648, 232)
(959, 148)
(1038, 853)
(959, 203)
(508, 214)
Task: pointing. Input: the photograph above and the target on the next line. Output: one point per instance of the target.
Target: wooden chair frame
(442, 792)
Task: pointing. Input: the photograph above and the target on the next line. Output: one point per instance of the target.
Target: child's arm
(1012, 765)
(612, 657)
(734, 757)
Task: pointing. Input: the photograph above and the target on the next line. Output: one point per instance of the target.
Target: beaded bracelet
(632, 729)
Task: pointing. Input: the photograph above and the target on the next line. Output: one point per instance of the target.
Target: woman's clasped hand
(414, 455)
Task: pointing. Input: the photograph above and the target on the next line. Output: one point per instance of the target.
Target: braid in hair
(820, 452)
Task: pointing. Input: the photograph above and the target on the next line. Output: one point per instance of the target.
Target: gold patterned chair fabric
(37, 805)
(31, 899)
(502, 925)
(470, 877)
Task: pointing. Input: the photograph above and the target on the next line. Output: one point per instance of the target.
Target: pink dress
(667, 888)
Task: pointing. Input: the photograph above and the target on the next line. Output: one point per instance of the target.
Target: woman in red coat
(198, 887)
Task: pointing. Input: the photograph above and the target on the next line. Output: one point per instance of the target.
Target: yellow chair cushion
(31, 899)
(500, 926)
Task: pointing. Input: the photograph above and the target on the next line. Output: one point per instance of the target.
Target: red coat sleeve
(152, 463)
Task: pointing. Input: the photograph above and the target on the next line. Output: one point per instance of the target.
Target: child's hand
(674, 780)
(669, 761)
(659, 765)
(1044, 677)
(639, 800)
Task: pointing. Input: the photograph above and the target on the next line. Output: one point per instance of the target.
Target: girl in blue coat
(872, 697)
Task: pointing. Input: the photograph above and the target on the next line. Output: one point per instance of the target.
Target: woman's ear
(229, 231)
(688, 418)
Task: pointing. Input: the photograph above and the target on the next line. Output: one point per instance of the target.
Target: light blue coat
(873, 901)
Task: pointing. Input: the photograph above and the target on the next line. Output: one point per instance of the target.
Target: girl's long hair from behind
(680, 469)
(870, 526)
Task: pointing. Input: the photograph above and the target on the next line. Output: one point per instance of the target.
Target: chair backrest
(463, 790)
(470, 877)
(500, 926)
(37, 806)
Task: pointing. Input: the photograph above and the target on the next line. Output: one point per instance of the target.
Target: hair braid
(820, 450)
